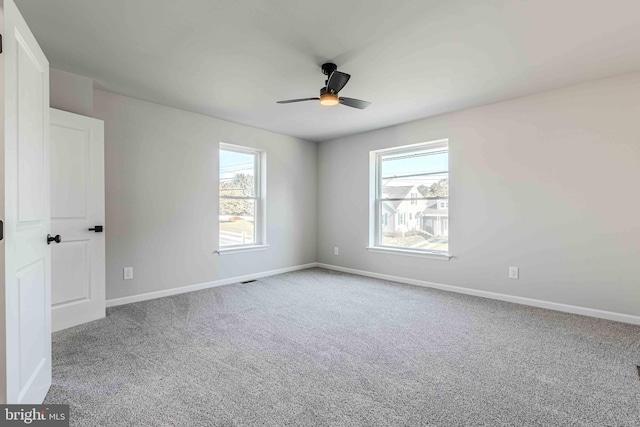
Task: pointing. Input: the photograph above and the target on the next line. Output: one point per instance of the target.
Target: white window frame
(260, 220)
(375, 196)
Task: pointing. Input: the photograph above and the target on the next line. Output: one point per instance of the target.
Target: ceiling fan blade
(289, 101)
(337, 80)
(355, 103)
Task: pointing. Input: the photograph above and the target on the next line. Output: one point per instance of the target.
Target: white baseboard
(198, 286)
(584, 311)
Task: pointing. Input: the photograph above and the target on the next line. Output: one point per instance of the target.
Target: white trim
(199, 286)
(434, 145)
(239, 148)
(373, 196)
(241, 249)
(583, 311)
(409, 252)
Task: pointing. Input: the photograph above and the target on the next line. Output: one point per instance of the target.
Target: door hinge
(0, 43)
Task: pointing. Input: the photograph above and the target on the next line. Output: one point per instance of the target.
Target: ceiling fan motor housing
(328, 68)
(325, 90)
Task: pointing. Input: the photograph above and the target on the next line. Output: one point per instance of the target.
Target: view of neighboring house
(435, 217)
(408, 210)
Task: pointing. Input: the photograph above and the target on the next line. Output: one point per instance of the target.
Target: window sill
(241, 249)
(409, 252)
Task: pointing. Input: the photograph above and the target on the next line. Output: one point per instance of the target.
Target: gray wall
(548, 183)
(70, 92)
(161, 197)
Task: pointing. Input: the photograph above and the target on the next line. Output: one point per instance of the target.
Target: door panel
(30, 135)
(33, 321)
(25, 376)
(77, 204)
(70, 273)
(69, 160)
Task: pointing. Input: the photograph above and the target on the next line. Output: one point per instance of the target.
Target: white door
(77, 205)
(25, 371)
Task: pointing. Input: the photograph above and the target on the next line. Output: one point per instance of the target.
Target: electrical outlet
(128, 273)
(336, 250)
(514, 273)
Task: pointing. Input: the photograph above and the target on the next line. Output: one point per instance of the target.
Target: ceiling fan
(329, 94)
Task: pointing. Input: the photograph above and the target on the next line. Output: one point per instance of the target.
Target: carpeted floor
(320, 348)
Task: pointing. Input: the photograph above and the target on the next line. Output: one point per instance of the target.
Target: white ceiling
(412, 59)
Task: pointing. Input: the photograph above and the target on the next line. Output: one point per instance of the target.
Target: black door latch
(97, 229)
(56, 239)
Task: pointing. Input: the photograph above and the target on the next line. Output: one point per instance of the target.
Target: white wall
(71, 92)
(161, 197)
(548, 183)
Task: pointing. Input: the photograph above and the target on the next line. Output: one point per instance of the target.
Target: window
(413, 182)
(241, 203)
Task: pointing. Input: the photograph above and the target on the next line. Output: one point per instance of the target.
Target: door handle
(56, 239)
(97, 229)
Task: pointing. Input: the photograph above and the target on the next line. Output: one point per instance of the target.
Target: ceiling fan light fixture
(329, 93)
(329, 99)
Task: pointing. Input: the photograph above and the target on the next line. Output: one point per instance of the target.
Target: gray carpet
(320, 348)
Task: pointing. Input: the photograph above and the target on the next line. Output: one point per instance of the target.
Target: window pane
(418, 230)
(419, 162)
(414, 200)
(415, 174)
(237, 221)
(237, 174)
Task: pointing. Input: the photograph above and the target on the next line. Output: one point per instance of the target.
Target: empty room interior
(338, 213)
